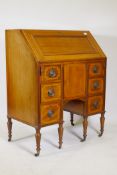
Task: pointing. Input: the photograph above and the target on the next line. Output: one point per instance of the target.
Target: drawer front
(50, 92)
(50, 114)
(50, 73)
(96, 69)
(96, 86)
(95, 104)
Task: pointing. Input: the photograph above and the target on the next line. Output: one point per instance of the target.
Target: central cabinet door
(74, 80)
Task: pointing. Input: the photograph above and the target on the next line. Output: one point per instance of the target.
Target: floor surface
(96, 156)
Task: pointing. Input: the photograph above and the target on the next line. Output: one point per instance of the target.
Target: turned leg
(9, 125)
(60, 132)
(38, 138)
(102, 119)
(85, 124)
(72, 119)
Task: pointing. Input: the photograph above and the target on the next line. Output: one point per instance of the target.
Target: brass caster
(72, 124)
(37, 154)
(60, 147)
(100, 134)
(83, 140)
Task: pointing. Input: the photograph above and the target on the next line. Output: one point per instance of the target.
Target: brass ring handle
(52, 73)
(96, 84)
(51, 93)
(50, 113)
(95, 104)
(95, 69)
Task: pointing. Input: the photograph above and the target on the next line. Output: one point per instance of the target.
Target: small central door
(74, 80)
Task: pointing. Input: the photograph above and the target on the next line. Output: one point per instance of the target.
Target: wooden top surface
(56, 45)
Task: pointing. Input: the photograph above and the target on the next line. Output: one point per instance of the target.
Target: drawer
(50, 92)
(51, 73)
(96, 69)
(96, 85)
(50, 114)
(95, 104)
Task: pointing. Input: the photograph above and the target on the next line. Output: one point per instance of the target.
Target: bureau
(50, 71)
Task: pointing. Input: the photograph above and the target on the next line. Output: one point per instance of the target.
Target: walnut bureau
(47, 69)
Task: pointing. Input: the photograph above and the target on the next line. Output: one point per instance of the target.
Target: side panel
(22, 84)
